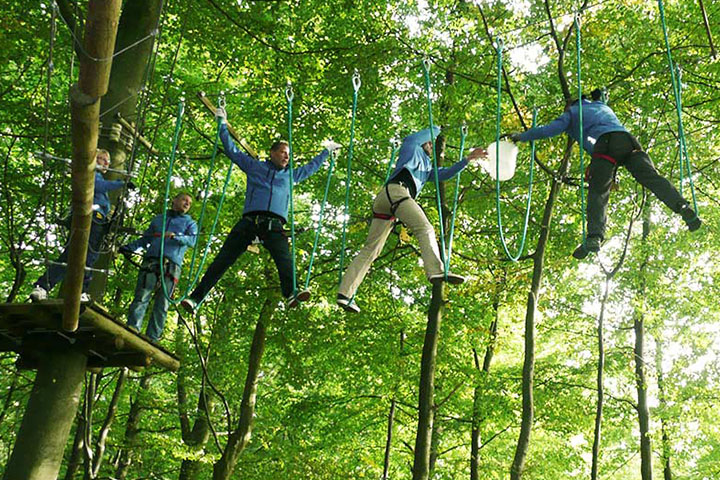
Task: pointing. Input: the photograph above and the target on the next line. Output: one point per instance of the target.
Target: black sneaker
(591, 245)
(452, 278)
(189, 305)
(295, 300)
(347, 304)
(691, 219)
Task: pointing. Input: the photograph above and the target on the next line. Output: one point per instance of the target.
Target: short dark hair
(276, 145)
(179, 194)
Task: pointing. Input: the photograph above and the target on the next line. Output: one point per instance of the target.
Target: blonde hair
(102, 150)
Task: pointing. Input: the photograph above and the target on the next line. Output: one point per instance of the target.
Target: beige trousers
(408, 212)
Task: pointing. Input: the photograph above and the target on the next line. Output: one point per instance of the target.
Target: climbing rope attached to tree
(578, 49)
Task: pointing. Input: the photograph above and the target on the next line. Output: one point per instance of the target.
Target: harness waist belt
(605, 157)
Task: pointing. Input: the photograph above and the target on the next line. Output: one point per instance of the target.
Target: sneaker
(295, 300)
(452, 278)
(189, 305)
(347, 304)
(591, 245)
(84, 298)
(691, 219)
(38, 293)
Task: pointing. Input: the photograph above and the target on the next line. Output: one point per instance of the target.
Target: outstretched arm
(238, 157)
(556, 127)
(308, 169)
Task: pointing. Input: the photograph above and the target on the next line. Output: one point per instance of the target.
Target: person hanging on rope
(397, 199)
(265, 212)
(101, 207)
(610, 145)
(180, 234)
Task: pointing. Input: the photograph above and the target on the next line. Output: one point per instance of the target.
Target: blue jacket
(268, 187)
(182, 225)
(101, 202)
(414, 159)
(598, 118)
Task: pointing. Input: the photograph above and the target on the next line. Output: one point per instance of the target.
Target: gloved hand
(331, 146)
(221, 114)
(514, 137)
(130, 185)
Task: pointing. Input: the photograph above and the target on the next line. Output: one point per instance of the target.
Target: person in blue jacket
(397, 199)
(180, 234)
(267, 198)
(610, 145)
(101, 208)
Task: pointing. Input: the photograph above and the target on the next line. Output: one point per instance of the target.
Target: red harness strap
(383, 216)
(605, 157)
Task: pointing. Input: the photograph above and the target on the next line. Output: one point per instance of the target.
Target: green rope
(318, 230)
(498, 118)
(580, 120)
(346, 211)
(463, 134)
(677, 91)
(196, 276)
(289, 96)
(395, 147)
(426, 70)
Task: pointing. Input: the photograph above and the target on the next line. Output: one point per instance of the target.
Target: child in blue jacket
(180, 234)
(267, 198)
(610, 145)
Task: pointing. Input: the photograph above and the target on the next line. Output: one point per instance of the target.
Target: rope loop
(426, 63)
(499, 44)
(289, 92)
(221, 100)
(356, 80)
(464, 130)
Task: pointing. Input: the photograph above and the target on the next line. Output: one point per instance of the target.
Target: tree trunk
(516, 470)
(100, 31)
(129, 71)
(131, 431)
(423, 440)
(388, 440)
(107, 423)
(600, 383)
(640, 377)
(475, 435)
(49, 415)
(240, 437)
(666, 448)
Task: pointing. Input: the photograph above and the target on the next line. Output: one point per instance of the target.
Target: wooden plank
(243, 144)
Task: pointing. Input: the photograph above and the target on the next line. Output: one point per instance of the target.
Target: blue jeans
(269, 231)
(148, 285)
(55, 273)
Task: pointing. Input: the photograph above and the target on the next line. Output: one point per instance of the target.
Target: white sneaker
(347, 304)
(452, 278)
(38, 293)
(189, 305)
(84, 297)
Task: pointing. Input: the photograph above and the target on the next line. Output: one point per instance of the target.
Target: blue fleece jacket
(413, 158)
(268, 187)
(180, 224)
(101, 202)
(598, 119)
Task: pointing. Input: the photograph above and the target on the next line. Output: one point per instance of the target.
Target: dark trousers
(269, 231)
(55, 273)
(627, 152)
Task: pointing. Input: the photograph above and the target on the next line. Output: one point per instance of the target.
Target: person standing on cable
(180, 234)
(397, 199)
(101, 208)
(267, 198)
(610, 145)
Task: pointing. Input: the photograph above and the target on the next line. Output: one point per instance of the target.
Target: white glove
(331, 146)
(221, 114)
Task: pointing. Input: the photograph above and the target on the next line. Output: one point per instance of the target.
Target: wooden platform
(31, 328)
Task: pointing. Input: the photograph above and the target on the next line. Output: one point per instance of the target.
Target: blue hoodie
(413, 158)
(598, 119)
(101, 202)
(268, 187)
(181, 224)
